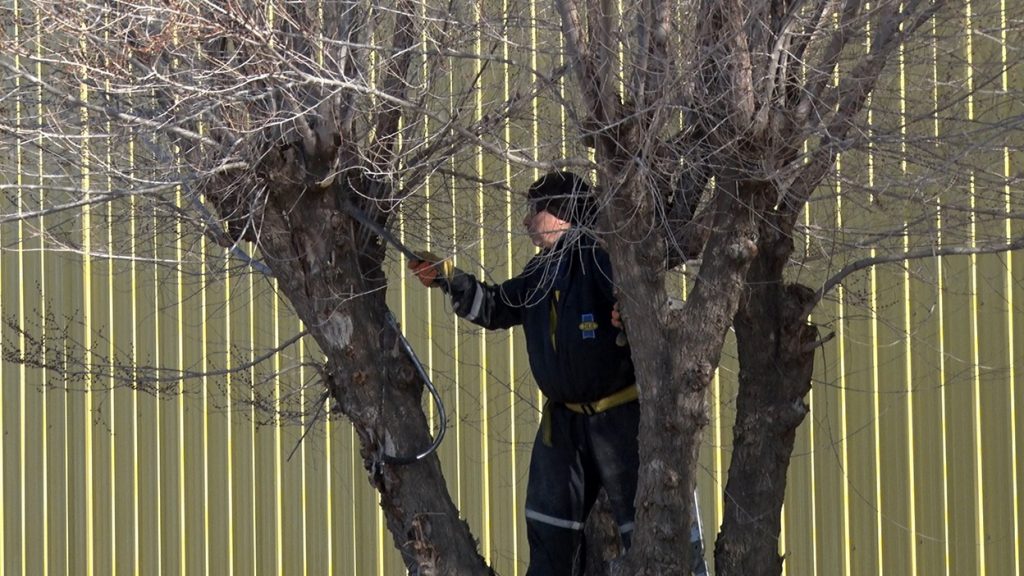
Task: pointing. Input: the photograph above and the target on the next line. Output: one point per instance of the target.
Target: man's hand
(616, 316)
(620, 339)
(430, 270)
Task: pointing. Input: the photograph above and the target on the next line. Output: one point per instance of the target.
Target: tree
(272, 126)
(772, 93)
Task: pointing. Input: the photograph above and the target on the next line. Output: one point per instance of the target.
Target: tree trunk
(776, 354)
(387, 412)
(329, 269)
(602, 537)
(668, 442)
(675, 354)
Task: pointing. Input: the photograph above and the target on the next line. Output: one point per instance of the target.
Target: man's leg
(614, 438)
(556, 500)
(616, 452)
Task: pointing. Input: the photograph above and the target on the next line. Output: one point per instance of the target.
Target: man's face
(544, 227)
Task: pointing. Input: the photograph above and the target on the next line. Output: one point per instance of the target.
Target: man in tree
(565, 300)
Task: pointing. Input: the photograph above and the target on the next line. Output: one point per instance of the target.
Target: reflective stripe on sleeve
(478, 300)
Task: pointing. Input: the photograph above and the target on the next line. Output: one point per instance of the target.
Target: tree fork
(675, 355)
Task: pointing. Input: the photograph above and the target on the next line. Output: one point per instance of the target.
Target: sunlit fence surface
(150, 433)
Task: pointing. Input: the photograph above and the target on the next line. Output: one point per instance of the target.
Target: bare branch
(853, 93)
(395, 84)
(821, 73)
(110, 112)
(928, 252)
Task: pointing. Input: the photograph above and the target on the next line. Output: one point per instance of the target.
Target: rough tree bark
(776, 348)
(329, 267)
(775, 342)
(754, 102)
(675, 365)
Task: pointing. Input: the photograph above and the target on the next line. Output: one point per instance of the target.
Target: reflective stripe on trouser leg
(555, 550)
(561, 490)
(552, 521)
(626, 534)
(699, 566)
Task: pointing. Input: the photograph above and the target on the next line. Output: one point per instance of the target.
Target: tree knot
(419, 542)
(743, 250)
(700, 375)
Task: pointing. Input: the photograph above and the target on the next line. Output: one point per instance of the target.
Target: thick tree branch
(821, 74)
(396, 69)
(594, 60)
(579, 49)
(813, 28)
(652, 62)
(726, 68)
(601, 42)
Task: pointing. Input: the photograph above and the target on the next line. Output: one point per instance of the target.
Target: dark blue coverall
(588, 434)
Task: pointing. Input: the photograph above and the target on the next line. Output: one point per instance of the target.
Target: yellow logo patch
(588, 326)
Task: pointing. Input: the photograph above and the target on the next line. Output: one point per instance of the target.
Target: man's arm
(492, 307)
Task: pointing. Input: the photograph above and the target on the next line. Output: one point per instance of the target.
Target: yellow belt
(627, 394)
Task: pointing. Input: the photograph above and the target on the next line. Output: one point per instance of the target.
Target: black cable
(361, 217)
(442, 417)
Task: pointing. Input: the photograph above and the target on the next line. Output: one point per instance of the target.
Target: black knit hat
(565, 195)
